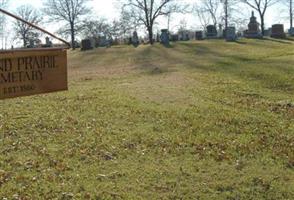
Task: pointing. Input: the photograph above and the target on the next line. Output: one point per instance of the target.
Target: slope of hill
(197, 120)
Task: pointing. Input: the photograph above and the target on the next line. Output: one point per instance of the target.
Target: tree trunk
(291, 14)
(24, 41)
(226, 17)
(72, 30)
(262, 23)
(150, 34)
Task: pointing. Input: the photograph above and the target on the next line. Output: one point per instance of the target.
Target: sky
(109, 10)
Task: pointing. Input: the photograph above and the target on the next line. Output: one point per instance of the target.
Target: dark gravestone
(253, 28)
(291, 31)
(164, 37)
(211, 31)
(103, 42)
(31, 44)
(184, 36)
(231, 34)
(135, 39)
(174, 37)
(221, 31)
(77, 44)
(278, 31)
(86, 45)
(187, 37)
(199, 35)
(239, 34)
(48, 42)
(267, 32)
(95, 42)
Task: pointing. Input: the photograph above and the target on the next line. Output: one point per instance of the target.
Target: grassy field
(198, 120)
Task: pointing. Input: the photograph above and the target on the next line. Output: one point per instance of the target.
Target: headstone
(187, 37)
(211, 31)
(103, 42)
(221, 31)
(86, 45)
(135, 39)
(164, 37)
(291, 31)
(96, 41)
(199, 35)
(278, 31)
(239, 34)
(253, 28)
(31, 44)
(267, 32)
(184, 35)
(174, 37)
(48, 43)
(191, 35)
(231, 34)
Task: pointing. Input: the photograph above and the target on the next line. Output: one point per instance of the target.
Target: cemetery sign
(32, 71)
(28, 72)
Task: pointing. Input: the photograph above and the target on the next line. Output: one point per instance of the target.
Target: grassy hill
(197, 120)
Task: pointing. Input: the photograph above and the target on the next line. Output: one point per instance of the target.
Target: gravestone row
(91, 43)
(211, 32)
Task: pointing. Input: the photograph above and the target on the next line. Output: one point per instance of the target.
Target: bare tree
(127, 22)
(226, 11)
(203, 16)
(231, 12)
(289, 5)
(95, 28)
(291, 13)
(24, 31)
(69, 11)
(261, 7)
(146, 12)
(212, 7)
(3, 5)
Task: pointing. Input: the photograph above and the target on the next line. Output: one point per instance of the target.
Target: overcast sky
(109, 10)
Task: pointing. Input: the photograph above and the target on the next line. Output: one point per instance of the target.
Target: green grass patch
(198, 120)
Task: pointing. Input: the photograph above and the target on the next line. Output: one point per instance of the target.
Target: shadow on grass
(198, 49)
(239, 42)
(290, 38)
(168, 46)
(271, 74)
(279, 40)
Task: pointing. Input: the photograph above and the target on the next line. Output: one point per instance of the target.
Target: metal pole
(34, 26)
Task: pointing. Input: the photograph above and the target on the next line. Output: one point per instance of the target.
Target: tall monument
(253, 28)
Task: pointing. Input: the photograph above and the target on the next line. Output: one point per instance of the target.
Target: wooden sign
(34, 71)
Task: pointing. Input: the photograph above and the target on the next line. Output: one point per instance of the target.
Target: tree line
(75, 17)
